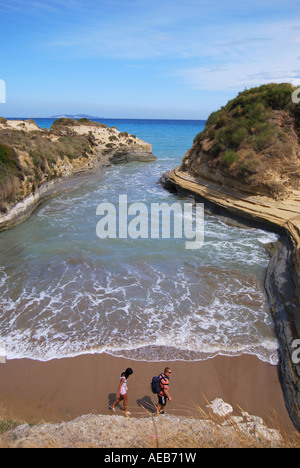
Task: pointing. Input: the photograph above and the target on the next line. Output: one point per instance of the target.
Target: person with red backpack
(163, 394)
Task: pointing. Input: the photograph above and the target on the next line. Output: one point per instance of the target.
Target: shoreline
(68, 172)
(34, 390)
(282, 282)
(20, 212)
(66, 388)
(63, 389)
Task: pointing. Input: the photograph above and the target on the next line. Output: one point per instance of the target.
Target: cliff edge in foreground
(214, 428)
(33, 160)
(247, 161)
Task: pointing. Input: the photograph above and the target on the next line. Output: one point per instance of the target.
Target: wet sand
(62, 389)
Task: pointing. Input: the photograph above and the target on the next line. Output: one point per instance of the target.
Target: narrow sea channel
(64, 291)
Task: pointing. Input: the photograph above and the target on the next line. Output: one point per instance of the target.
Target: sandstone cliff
(247, 162)
(34, 160)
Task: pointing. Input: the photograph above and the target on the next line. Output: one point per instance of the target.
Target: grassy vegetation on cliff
(40, 153)
(10, 174)
(9, 163)
(254, 134)
(64, 124)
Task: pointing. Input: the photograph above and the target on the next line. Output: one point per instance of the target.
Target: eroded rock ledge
(246, 161)
(283, 277)
(36, 164)
(218, 429)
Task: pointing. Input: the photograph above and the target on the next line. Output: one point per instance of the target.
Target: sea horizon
(105, 118)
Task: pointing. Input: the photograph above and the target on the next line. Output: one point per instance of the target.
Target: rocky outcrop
(252, 144)
(246, 164)
(37, 164)
(283, 278)
(93, 431)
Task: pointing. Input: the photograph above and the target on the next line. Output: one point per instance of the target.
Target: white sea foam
(268, 237)
(136, 308)
(145, 307)
(64, 293)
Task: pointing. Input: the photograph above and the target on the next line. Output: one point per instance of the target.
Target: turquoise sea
(64, 291)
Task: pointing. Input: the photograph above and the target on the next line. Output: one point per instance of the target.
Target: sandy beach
(62, 389)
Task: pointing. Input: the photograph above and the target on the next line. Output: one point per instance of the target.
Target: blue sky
(142, 59)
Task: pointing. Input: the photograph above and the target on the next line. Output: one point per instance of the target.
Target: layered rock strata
(283, 278)
(247, 162)
(36, 164)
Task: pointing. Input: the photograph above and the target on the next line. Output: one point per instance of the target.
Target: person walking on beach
(163, 395)
(122, 391)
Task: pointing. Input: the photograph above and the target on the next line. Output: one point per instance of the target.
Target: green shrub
(212, 119)
(9, 163)
(238, 137)
(230, 157)
(224, 137)
(264, 139)
(274, 96)
(250, 164)
(198, 137)
(63, 122)
(7, 425)
(84, 120)
(278, 97)
(216, 149)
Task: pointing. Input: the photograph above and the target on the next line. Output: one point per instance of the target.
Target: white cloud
(245, 61)
(237, 77)
(37, 5)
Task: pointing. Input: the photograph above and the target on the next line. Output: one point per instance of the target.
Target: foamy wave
(148, 353)
(164, 353)
(268, 237)
(65, 293)
(93, 310)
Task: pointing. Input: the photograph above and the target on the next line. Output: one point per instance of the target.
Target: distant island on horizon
(74, 116)
(92, 117)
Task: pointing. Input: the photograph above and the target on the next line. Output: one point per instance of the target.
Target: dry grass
(7, 424)
(202, 429)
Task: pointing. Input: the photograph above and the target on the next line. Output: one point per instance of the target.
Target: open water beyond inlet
(64, 291)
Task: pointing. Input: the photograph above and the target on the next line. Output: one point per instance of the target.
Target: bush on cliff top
(259, 124)
(248, 113)
(65, 124)
(63, 121)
